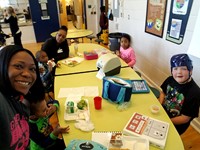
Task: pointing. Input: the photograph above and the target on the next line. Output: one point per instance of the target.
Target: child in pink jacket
(126, 52)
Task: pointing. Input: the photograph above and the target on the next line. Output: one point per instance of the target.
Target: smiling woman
(22, 72)
(19, 75)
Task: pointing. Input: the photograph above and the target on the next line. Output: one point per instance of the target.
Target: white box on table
(154, 130)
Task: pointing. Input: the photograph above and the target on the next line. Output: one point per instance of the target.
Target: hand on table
(58, 65)
(59, 130)
(117, 52)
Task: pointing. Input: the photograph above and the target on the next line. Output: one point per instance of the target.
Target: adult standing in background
(103, 22)
(57, 47)
(19, 75)
(11, 18)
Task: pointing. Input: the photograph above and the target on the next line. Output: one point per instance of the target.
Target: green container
(70, 107)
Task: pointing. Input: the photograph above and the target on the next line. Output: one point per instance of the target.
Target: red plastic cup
(97, 102)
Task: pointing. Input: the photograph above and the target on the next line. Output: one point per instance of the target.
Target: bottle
(75, 48)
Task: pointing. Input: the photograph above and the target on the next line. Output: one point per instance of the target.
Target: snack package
(116, 140)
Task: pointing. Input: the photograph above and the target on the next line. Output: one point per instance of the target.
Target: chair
(99, 41)
(155, 91)
(90, 37)
(3, 39)
(139, 73)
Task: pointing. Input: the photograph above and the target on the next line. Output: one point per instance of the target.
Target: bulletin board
(179, 14)
(155, 17)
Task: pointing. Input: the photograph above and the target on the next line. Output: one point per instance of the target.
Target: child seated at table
(46, 75)
(180, 94)
(42, 134)
(126, 52)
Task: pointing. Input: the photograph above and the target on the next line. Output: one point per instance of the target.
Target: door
(45, 18)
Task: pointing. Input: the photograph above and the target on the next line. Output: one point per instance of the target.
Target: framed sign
(178, 18)
(155, 17)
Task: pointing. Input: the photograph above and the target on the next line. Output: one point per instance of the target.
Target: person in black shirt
(180, 94)
(103, 22)
(11, 18)
(57, 47)
(20, 78)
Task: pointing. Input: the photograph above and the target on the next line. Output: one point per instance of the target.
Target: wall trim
(148, 80)
(195, 124)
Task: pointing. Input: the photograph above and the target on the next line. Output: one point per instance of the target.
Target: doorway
(44, 17)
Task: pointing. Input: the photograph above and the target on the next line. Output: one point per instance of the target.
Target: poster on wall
(155, 17)
(179, 14)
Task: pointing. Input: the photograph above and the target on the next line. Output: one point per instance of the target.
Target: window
(4, 3)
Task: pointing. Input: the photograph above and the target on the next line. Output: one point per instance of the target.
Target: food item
(82, 104)
(72, 63)
(52, 63)
(58, 65)
(116, 139)
(70, 107)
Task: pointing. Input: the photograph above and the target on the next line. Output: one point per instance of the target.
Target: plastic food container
(90, 55)
(154, 109)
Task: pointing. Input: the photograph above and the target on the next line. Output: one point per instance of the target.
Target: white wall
(153, 53)
(93, 19)
(194, 45)
(69, 2)
(19, 5)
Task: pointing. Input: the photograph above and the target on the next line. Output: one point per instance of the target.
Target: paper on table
(100, 74)
(91, 91)
(65, 92)
(102, 138)
(74, 97)
(80, 91)
(129, 142)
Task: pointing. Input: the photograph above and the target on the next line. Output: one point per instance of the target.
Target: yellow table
(85, 65)
(109, 118)
(76, 33)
